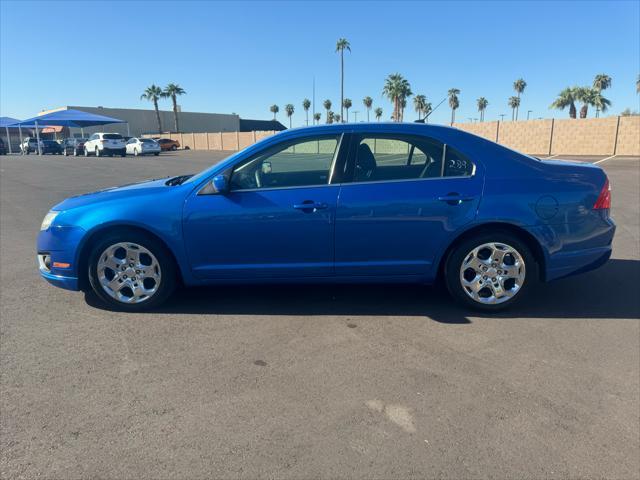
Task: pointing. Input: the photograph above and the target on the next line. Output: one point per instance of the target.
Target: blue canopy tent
(66, 118)
(6, 122)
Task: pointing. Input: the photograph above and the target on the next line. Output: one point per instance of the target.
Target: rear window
(112, 136)
(147, 140)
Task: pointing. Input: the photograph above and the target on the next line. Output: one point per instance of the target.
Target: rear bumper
(573, 263)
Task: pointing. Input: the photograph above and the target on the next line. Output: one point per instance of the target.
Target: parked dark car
(168, 144)
(73, 146)
(52, 147)
(3, 147)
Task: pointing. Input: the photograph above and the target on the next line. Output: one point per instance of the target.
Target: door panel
(247, 234)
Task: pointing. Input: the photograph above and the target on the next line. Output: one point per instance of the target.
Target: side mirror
(221, 184)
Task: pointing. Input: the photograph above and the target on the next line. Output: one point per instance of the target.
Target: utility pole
(528, 113)
(355, 116)
(502, 117)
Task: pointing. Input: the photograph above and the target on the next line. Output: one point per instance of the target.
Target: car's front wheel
(491, 271)
(135, 152)
(174, 148)
(131, 271)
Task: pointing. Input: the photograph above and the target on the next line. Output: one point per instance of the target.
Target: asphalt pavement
(299, 381)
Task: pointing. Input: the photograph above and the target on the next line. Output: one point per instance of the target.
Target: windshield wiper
(178, 180)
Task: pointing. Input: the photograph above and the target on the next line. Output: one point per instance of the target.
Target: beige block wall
(486, 130)
(529, 136)
(229, 140)
(215, 141)
(628, 136)
(201, 141)
(245, 139)
(586, 136)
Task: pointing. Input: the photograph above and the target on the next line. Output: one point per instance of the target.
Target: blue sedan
(339, 203)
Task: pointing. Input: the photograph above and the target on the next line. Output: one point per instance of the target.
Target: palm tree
(427, 111)
(519, 86)
(337, 118)
(341, 45)
(172, 91)
(397, 89)
(368, 102)
(638, 84)
(306, 104)
(514, 103)
(566, 98)
(482, 106)
(601, 82)
(420, 103)
(289, 109)
(316, 117)
(378, 113)
(601, 103)
(330, 116)
(454, 102)
(347, 105)
(274, 109)
(153, 93)
(327, 107)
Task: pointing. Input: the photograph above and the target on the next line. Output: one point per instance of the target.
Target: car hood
(129, 191)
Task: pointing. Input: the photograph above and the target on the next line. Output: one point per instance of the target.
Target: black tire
(157, 153)
(135, 152)
(97, 150)
(123, 153)
(65, 153)
(86, 152)
(167, 267)
(173, 148)
(461, 250)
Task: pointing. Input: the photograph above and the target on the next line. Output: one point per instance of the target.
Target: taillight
(604, 199)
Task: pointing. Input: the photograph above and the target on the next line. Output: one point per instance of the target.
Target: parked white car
(100, 144)
(30, 145)
(142, 146)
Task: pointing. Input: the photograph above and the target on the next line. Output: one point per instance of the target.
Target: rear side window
(112, 136)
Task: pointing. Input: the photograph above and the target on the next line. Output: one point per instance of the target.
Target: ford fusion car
(339, 203)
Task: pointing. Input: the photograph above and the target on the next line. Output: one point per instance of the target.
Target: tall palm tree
(153, 93)
(397, 89)
(638, 84)
(514, 103)
(306, 104)
(428, 108)
(482, 106)
(338, 118)
(341, 45)
(601, 82)
(454, 102)
(327, 106)
(289, 109)
(274, 109)
(420, 103)
(316, 117)
(519, 86)
(346, 103)
(601, 103)
(368, 102)
(378, 113)
(566, 98)
(172, 91)
(330, 116)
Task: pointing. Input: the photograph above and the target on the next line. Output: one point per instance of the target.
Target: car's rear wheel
(97, 152)
(491, 271)
(131, 271)
(157, 153)
(174, 148)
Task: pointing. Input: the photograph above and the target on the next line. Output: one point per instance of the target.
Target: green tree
(153, 93)
(601, 82)
(428, 108)
(327, 107)
(274, 109)
(306, 104)
(514, 103)
(419, 104)
(566, 98)
(368, 102)
(341, 45)
(519, 86)
(347, 105)
(454, 102)
(289, 109)
(397, 89)
(482, 106)
(378, 113)
(330, 116)
(172, 91)
(337, 118)
(316, 117)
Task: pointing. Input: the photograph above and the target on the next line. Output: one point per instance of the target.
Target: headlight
(48, 220)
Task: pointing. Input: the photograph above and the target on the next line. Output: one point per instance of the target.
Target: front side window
(303, 162)
(404, 157)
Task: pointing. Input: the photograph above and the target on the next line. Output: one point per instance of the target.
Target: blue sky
(243, 57)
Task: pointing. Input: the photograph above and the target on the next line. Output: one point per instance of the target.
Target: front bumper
(61, 243)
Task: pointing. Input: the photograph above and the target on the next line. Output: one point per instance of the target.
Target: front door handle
(309, 206)
(455, 198)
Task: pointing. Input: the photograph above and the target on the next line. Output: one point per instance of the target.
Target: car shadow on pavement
(607, 293)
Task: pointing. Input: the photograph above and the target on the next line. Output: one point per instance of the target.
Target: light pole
(528, 112)
(355, 116)
(501, 117)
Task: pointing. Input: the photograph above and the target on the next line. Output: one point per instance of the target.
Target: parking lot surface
(310, 381)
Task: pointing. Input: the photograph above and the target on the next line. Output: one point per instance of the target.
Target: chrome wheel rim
(492, 273)
(129, 273)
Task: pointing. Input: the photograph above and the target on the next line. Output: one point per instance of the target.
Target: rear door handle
(310, 206)
(455, 198)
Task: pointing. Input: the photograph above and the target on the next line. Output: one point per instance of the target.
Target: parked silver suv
(100, 144)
